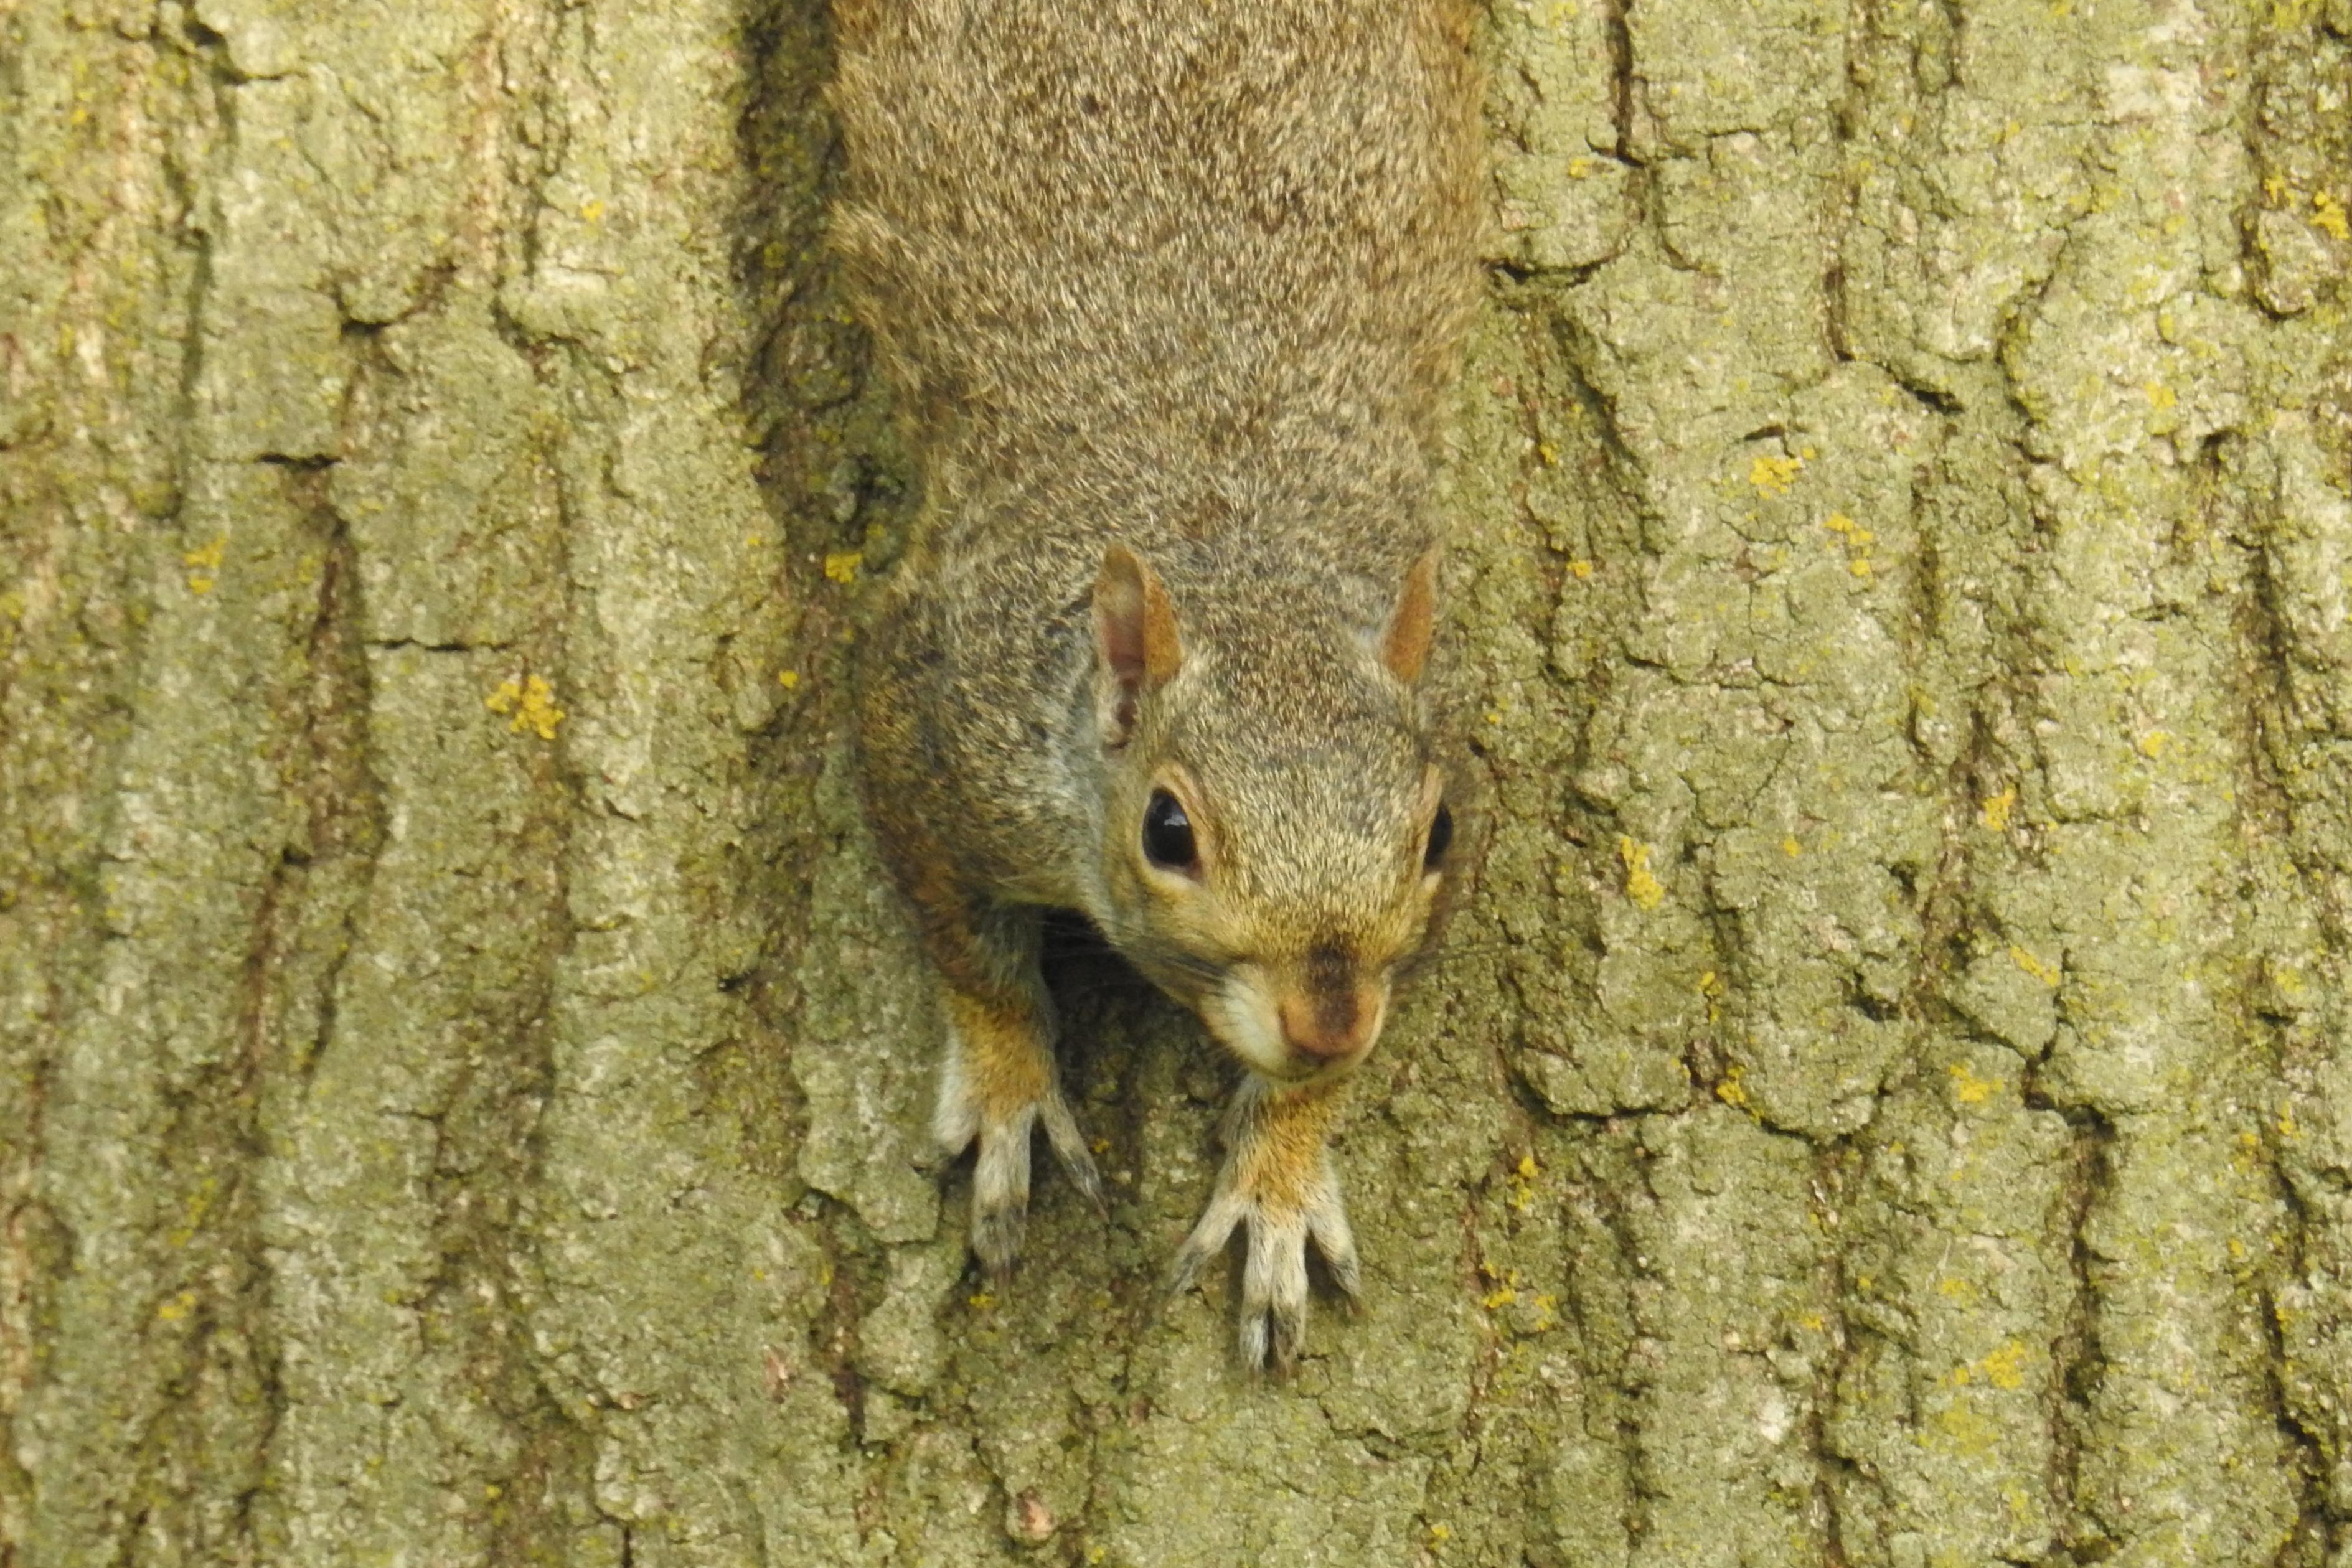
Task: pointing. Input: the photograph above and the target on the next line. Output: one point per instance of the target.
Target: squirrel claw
(1273, 1299)
(1000, 1183)
(996, 1235)
(1000, 1192)
(1070, 1148)
(1208, 1238)
(1274, 1275)
(1327, 1222)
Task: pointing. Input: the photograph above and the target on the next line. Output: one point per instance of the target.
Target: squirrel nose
(1331, 1023)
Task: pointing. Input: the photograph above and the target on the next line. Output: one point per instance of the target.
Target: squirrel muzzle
(1330, 1011)
(1327, 1029)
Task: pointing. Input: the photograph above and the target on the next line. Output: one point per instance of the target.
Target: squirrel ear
(1135, 637)
(1404, 641)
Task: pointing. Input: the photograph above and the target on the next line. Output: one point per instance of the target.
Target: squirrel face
(1276, 833)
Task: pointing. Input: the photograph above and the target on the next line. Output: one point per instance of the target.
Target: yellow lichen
(2046, 973)
(200, 1203)
(1523, 1189)
(842, 566)
(1580, 569)
(1858, 541)
(2159, 395)
(789, 679)
(1641, 886)
(2002, 1369)
(2152, 743)
(1774, 476)
(1791, 847)
(204, 564)
(2327, 212)
(531, 704)
(1969, 1089)
(2005, 1367)
(1728, 1090)
(1997, 809)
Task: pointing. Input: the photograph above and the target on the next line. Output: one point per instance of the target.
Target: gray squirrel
(1170, 293)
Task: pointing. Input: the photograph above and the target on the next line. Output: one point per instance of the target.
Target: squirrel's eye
(1168, 832)
(1441, 834)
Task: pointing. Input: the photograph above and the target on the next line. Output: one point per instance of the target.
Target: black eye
(1168, 832)
(1441, 834)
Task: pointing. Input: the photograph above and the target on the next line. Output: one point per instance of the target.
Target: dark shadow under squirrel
(1171, 292)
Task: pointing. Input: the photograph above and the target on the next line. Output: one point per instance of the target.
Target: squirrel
(1170, 293)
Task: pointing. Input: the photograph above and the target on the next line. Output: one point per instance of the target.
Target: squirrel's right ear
(1404, 641)
(1135, 640)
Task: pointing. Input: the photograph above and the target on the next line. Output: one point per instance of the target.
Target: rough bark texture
(1889, 1097)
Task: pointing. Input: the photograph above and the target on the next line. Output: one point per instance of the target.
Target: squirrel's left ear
(1135, 641)
(1404, 641)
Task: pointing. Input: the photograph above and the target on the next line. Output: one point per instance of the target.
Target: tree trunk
(1887, 1099)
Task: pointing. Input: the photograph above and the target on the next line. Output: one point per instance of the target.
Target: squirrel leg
(1277, 1180)
(997, 1084)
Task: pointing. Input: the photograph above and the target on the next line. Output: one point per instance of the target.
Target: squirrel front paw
(1283, 1210)
(1000, 1183)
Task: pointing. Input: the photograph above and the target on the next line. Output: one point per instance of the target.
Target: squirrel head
(1276, 828)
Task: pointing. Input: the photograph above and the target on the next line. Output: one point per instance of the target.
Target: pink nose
(1331, 1025)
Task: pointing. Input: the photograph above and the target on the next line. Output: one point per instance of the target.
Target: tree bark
(1887, 1099)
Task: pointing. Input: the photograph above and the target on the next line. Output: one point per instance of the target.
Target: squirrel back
(1220, 247)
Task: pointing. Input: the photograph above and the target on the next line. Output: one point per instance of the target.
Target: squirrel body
(1171, 292)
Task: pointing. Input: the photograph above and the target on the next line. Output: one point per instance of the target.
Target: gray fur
(1187, 275)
